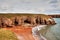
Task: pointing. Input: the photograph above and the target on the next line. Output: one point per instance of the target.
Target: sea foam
(35, 32)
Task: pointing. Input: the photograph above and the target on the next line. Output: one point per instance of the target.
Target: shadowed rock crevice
(2, 24)
(37, 21)
(26, 21)
(16, 22)
(45, 22)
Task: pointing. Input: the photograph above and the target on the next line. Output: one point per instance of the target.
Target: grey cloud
(38, 6)
(53, 1)
(53, 11)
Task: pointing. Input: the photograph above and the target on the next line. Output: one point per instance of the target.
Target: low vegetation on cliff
(7, 35)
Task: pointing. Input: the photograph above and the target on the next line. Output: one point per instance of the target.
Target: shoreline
(35, 32)
(26, 33)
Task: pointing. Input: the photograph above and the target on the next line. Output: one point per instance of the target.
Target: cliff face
(46, 20)
(21, 20)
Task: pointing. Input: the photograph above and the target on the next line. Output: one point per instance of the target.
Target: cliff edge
(26, 19)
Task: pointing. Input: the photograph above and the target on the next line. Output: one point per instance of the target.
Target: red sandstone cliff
(21, 20)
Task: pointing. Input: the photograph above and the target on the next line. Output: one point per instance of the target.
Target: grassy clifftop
(7, 35)
(11, 15)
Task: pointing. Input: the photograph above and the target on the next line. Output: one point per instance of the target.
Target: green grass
(7, 35)
(11, 15)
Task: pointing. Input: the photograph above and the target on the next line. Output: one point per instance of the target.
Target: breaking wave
(36, 34)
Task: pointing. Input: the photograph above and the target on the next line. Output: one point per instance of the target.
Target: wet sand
(23, 33)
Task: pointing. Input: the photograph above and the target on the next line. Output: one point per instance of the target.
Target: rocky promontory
(10, 21)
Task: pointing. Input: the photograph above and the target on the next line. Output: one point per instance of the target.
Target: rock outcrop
(32, 20)
(44, 19)
(16, 20)
(5, 22)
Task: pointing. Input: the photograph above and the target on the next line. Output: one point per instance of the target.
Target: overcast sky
(30, 6)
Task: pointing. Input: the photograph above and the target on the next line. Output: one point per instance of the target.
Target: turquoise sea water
(52, 32)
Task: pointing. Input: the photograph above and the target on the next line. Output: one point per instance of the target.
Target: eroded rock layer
(30, 20)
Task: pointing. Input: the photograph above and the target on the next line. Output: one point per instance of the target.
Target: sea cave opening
(16, 22)
(37, 20)
(26, 21)
(40, 21)
(45, 22)
(2, 24)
